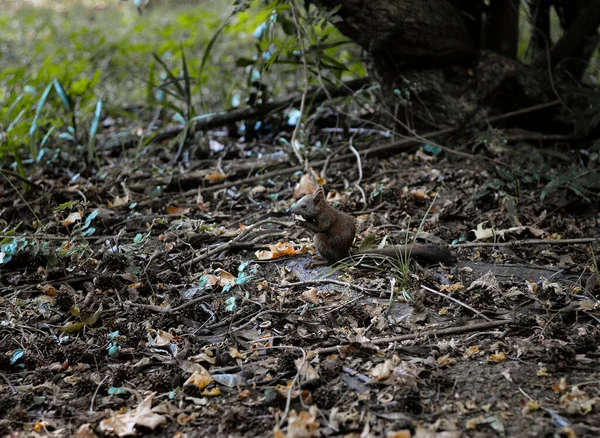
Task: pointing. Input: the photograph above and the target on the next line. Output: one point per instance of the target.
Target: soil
(137, 300)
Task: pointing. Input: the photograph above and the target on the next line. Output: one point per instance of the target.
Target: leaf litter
(196, 313)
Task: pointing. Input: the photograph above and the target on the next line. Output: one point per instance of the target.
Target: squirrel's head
(310, 206)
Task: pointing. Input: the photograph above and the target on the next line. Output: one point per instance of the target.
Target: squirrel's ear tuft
(319, 193)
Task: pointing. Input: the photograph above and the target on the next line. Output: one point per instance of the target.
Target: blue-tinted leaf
(90, 218)
(230, 304)
(17, 354)
(61, 93)
(116, 391)
(38, 110)
(96, 119)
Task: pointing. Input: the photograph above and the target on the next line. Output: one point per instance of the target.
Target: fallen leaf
(201, 378)
(498, 356)
(225, 278)
(577, 402)
(277, 250)
(310, 296)
(171, 209)
(215, 176)
(124, 424)
(306, 186)
(303, 424)
(72, 218)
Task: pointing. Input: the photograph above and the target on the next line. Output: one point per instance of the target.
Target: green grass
(64, 62)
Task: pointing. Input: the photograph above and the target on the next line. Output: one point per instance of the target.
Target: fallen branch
(237, 240)
(436, 333)
(454, 300)
(395, 146)
(227, 118)
(527, 242)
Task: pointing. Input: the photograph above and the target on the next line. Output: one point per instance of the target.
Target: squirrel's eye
(303, 205)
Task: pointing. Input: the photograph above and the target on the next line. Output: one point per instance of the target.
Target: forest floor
(153, 299)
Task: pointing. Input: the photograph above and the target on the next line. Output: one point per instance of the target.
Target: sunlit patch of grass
(102, 56)
(73, 39)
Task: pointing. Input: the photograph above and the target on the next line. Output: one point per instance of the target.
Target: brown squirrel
(334, 233)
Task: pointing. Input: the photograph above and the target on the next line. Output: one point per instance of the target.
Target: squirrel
(334, 231)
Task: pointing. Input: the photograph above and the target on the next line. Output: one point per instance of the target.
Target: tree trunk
(420, 33)
(440, 63)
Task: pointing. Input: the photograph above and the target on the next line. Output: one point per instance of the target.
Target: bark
(438, 64)
(580, 19)
(418, 33)
(502, 27)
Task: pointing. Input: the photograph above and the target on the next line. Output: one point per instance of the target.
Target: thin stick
(435, 332)
(91, 411)
(526, 242)
(304, 93)
(326, 281)
(460, 303)
(233, 241)
(21, 178)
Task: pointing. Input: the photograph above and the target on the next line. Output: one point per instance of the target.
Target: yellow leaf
(215, 176)
(71, 327)
(211, 393)
(498, 356)
(201, 378)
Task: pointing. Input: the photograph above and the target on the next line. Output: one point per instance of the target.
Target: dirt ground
(131, 302)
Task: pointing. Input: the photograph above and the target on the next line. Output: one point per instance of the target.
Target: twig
(356, 374)
(326, 281)
(234, 241)
(21, 178)
(436, 332)
(162, 309)
(294, 381)
(12, 388)
(360, 174)
(581, 240)
(294, 139)
(91, 411)
(460, 303)
(225, 118)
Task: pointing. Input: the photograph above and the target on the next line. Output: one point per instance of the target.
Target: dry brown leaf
(383, 370)
(446, 360)
(419, 195)
(119, 201)
(404, 433)
(124, 424)
(172, 209)
(310, 296)
(306, 186)
(85, 431)
(471, 352)
(277, 250)
(225, 278)
(498, 356)
(215, 176)
(75, 216)
(306, 370)
(201, 378)
(303, 424)
(577, 402)
(561, 386)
